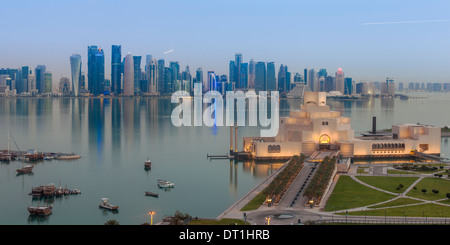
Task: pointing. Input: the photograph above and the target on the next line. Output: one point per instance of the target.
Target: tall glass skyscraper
(96, 70)
(116, 69)
(152, 76)
(243, 76)
(161, 77)
(271, 80)
(237, 63)
(251, 74)
(260, 76)
(40, 78)
(75, 65)
(137, 73)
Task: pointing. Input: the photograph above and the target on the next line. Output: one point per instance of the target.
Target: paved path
(286, 215)
(292, 195)
(234, 211)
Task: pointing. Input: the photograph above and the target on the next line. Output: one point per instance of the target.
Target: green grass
(442, 185)
(218, 222)
(388, 183)
(351, 194)
(423, 210)
(255, 203)
(391, 171)
(397, 202)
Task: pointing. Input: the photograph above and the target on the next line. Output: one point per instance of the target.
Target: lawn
(442, 185)
(255, 203)
(422, 210)
(392, 171)
(388, 183)
(351, 194)
(396, 202)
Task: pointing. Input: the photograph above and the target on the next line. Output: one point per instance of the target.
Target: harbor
(113, 158)
(34, 155)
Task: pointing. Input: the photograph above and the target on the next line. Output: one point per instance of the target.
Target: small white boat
(76, 191)
(106, 205)
(148, 164)
(165, 184)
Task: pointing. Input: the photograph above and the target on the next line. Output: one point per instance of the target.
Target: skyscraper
(243, 75)
(161, 77)
(75, 65)
(232, 72)
(152, 76)
(96, 70)
(39, 72)
(348, 86)
(137, 73)
(48, 82)
(199, 76)
(284, 83)
(271, 80)
(128, 76)
(260, 76)
(340, 81)
(312, 80)
(251, 74)
(237, 63)
(116, 69)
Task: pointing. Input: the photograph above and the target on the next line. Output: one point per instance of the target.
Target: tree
(112, 222)
(424, 190)
(435, 191)
(448, 195)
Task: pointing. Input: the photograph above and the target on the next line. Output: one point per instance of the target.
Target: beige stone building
(316, 131)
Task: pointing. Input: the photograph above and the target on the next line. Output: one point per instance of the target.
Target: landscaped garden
(279, 185)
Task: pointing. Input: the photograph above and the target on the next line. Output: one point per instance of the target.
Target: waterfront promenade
(299, 213)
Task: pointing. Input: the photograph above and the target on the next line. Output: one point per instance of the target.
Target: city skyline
(408, 52)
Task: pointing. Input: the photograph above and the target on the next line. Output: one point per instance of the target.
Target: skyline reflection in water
(115, 136)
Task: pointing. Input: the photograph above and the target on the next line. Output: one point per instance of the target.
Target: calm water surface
(115, 137)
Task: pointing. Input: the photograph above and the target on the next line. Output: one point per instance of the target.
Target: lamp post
(268, 220)
(151, 216)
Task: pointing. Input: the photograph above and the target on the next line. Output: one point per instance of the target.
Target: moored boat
(148, 164)
(40, 210)
(147, 193)
(165, 184)
(25, 169)
(106, 205)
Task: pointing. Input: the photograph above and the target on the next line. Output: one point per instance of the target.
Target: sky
(370, 40)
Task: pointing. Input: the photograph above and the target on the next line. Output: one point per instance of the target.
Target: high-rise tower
(116, 69)
(96, 70)
(128, 76)
(75, 66)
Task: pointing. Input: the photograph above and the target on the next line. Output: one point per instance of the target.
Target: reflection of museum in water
(317, 132)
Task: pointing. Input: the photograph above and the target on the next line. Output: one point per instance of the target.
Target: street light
(151, 216)
(268, 220)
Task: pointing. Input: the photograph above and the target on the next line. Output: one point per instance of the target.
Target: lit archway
(324, 139)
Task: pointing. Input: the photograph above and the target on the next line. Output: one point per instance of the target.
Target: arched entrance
(324, 142)
(324, 139)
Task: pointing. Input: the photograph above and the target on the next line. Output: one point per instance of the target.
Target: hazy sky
(315, 34)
